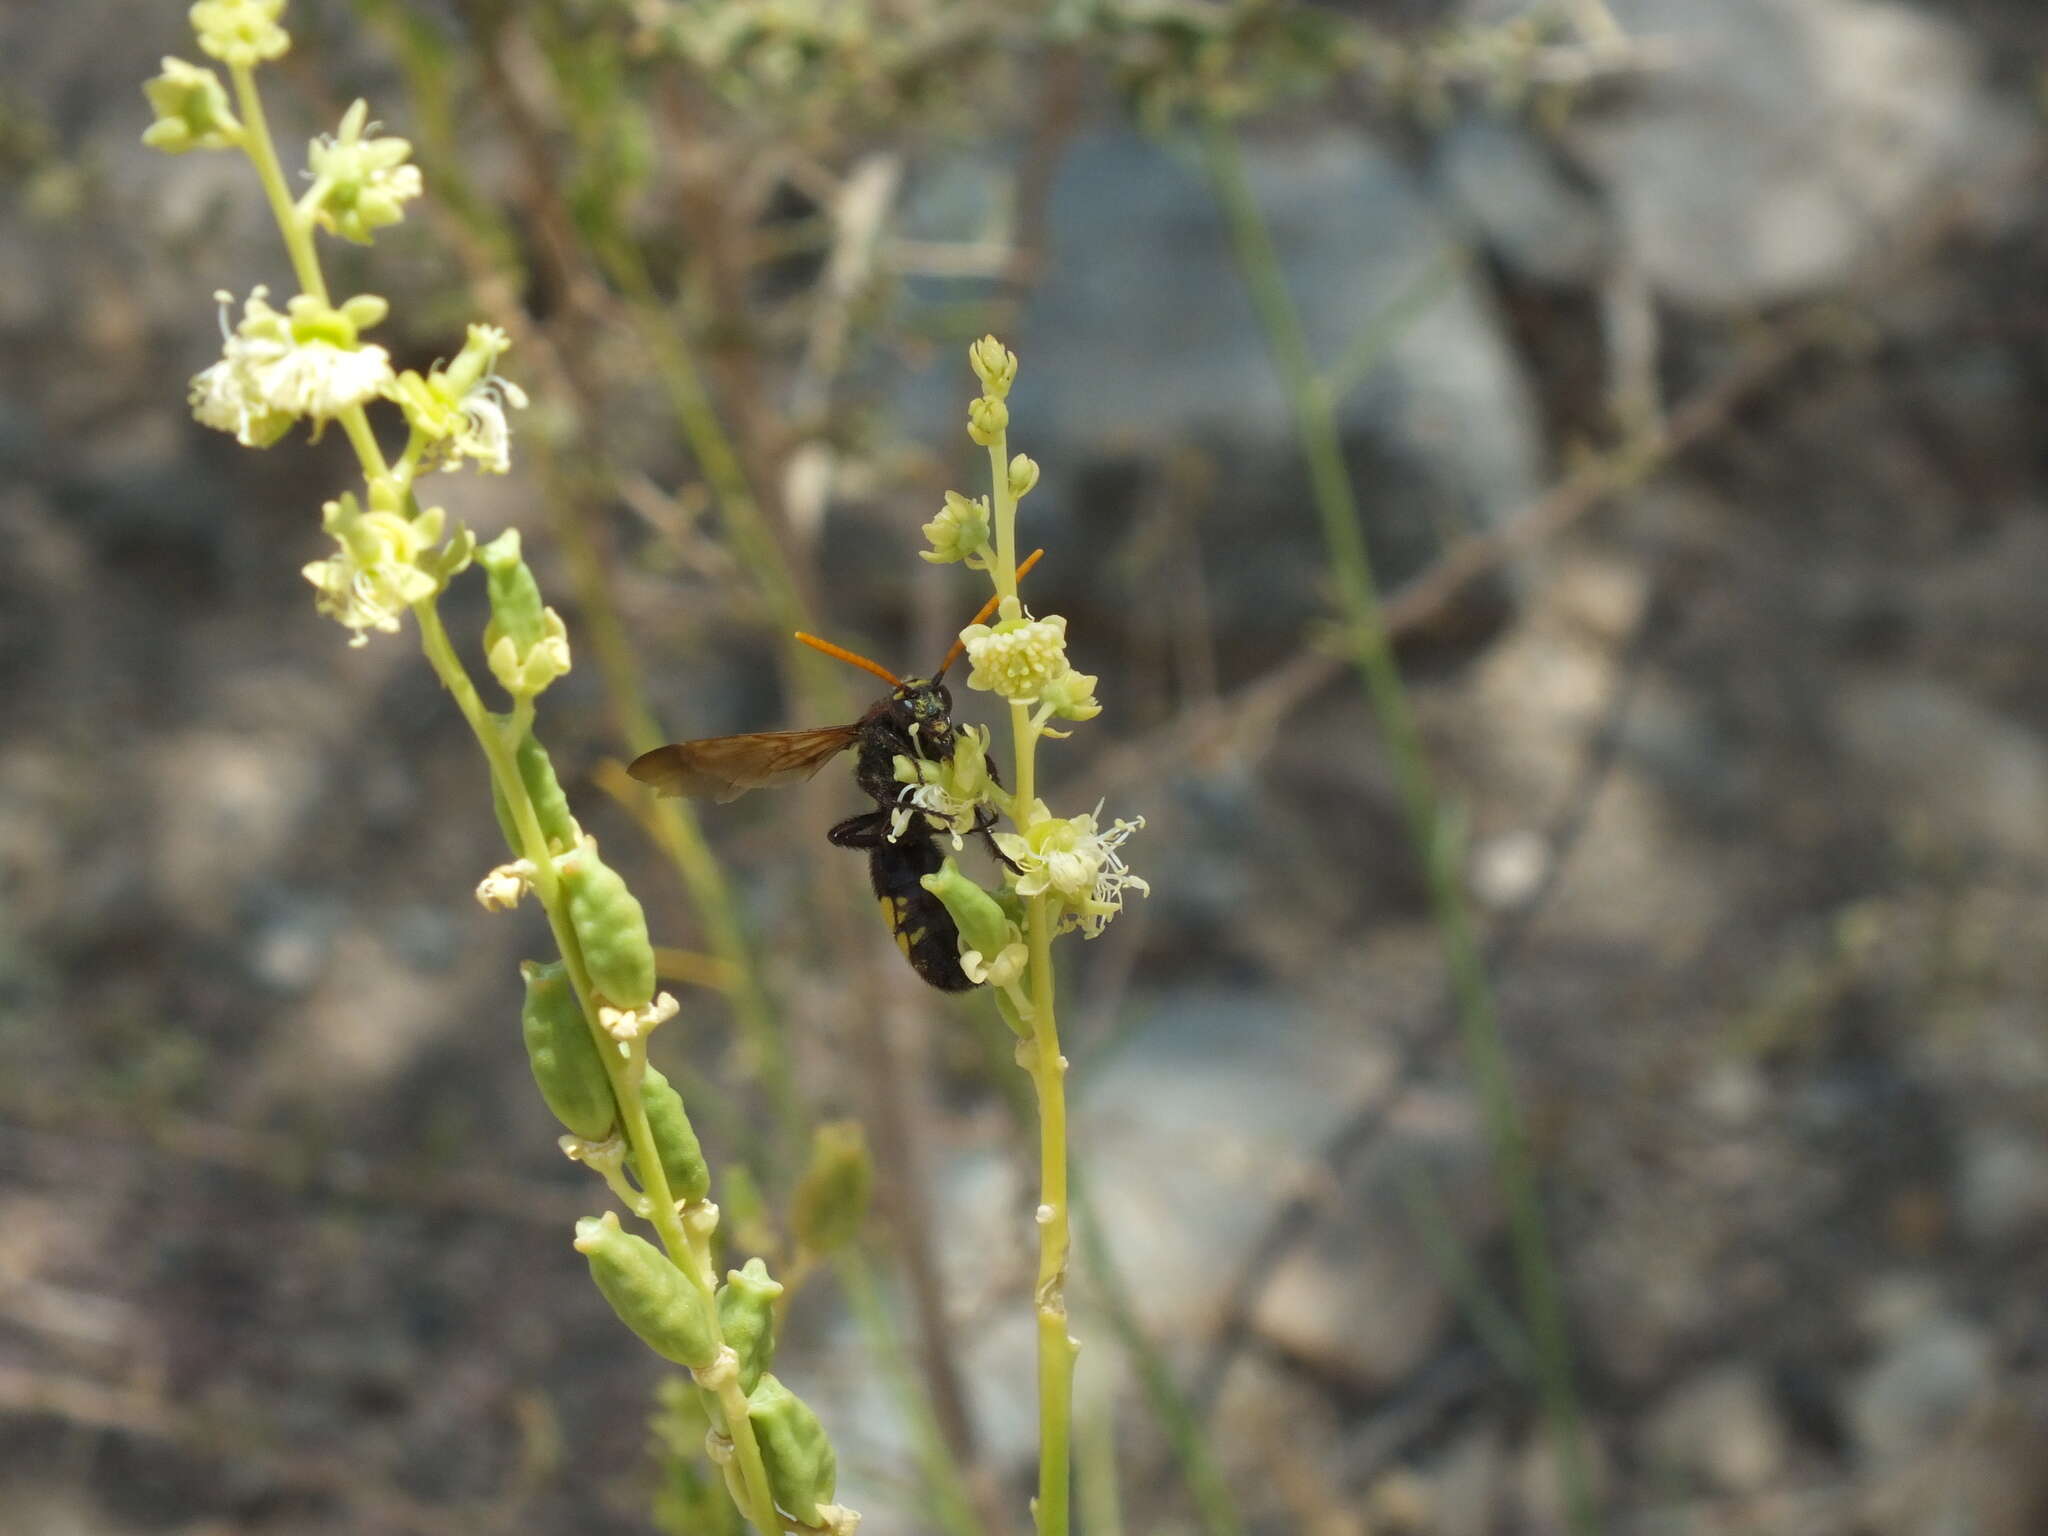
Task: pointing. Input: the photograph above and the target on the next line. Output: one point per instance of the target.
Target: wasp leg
(869, 830)
(984, 819)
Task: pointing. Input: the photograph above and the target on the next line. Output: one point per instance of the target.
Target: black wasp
(915, 720)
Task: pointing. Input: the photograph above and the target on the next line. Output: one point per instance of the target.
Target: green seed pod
(746, 1317)
(675, 1140)
(515, 596)
(831, 1199)
(803, 1469)
(650, 1294)
(983, 927)
(545, 790)
(563, 1056)
(610, 926)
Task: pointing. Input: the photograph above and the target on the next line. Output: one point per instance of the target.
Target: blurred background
(1686, 365)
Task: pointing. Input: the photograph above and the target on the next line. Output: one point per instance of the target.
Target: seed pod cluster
(650, 1294)
(562, 1054)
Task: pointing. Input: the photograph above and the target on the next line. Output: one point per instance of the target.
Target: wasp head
(925, 709)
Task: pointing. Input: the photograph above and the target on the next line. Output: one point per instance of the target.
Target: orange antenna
(987, 608)
(843, 654)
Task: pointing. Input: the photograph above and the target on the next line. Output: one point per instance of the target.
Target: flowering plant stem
(1313, 402)
(1039, 1054)
(687, 1247)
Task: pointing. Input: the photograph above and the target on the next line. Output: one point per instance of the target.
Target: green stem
(1056, 1347)
(1310, 400)
(262, 151)
(1048, 1069)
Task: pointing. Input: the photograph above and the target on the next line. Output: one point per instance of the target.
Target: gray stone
(1970, 776)
(1789, 140)
(1520, 202)
(1922, 1387)
(1719, 1430)
(2001, 1183)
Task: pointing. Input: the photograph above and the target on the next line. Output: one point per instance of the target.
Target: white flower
(1076, 862)
(374, 575)
(500, 890)
(319, 379)
(628, 1024)
(460, 410)
(275, 368)
(949, 793)
(1002, 971)
(1018, 656)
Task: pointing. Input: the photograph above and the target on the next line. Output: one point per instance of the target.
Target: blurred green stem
(1312, 404)
(952, 1506)
(1214, 1506)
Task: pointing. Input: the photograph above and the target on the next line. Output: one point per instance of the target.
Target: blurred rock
(1969, 776)
(2001, 1183)
(1934, 1373)
(1521, 203)
(1146, 372)
(1719, 1430)
(1364, 1299)
(1790, 140)
(1539, 1480)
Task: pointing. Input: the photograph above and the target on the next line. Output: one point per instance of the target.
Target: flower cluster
(1073, 866)
(241, 33)
(359, 184)
(276, 369)
(1075, 861)
(457, 412)
(383, 564)
(950, 793)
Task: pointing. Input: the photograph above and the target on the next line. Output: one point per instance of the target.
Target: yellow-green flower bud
(831, 1200)
(987, 420)
(991, 947)
(1023, 476)
(675, 1139)
(994, 364)
(1072, 696)
(982, 923)
(515, 595)
(361, 183)
(803, 1469)
(960, 530)
(240, 33)
(564, 1058)
(746, 1319)
(192, 110)
(1017, 658)
(650, 1294)
(525, 643)
(610, 926)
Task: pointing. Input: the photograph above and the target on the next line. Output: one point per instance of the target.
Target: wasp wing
(726, 767)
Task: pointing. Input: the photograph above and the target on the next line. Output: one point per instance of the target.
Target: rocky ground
(1753, 760)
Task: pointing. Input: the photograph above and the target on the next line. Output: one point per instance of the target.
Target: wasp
(914, 719)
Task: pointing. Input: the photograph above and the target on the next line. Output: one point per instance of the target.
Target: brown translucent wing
(726, 767)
